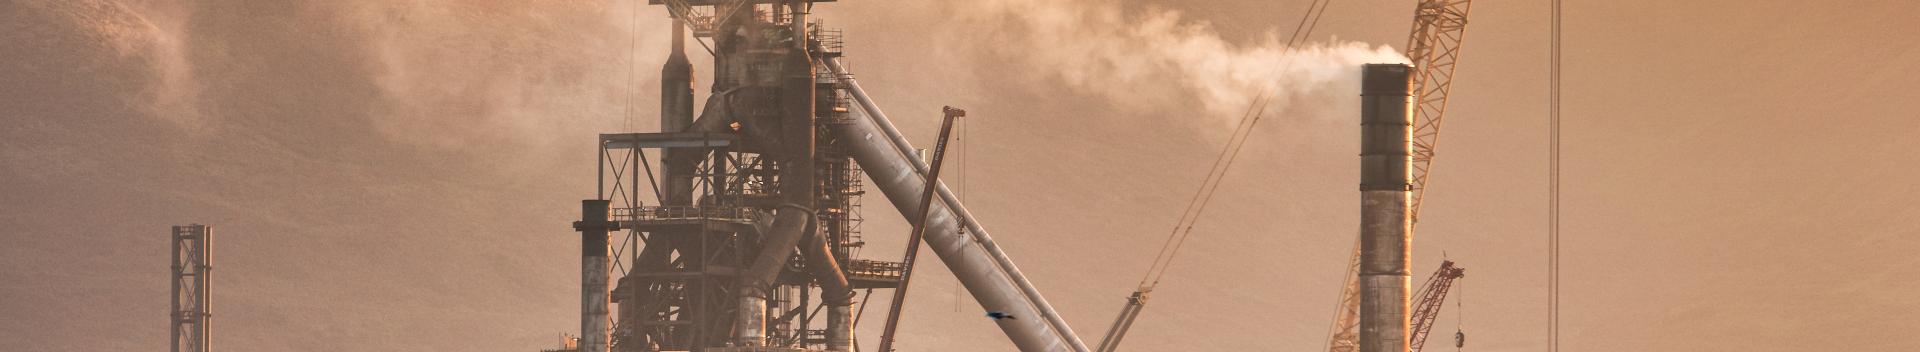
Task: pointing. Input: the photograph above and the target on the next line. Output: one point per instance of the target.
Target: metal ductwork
(973, 257)
(798, 184)
(835, 291)
(1385, 227)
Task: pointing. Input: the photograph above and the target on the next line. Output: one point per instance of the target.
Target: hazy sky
(401, 175)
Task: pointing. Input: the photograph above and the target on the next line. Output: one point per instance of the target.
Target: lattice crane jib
(1432, 296)
(1439, 28)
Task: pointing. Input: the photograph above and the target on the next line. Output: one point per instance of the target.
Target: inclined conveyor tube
(979, 264)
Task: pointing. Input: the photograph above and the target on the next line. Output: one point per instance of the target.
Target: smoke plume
(1157, 60)
(435, 75)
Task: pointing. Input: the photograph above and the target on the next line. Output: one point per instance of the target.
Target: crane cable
(1459, 317)
(1183, 229)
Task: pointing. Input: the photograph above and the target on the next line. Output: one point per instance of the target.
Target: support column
(1385, 228)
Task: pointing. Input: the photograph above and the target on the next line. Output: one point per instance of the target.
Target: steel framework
(671, 303)
(703, 262)
(192, 304)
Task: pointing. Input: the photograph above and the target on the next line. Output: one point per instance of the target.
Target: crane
(1135, 303)
(1432, 295)
(1439, 29)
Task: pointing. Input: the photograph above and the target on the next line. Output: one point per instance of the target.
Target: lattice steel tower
(192, 308)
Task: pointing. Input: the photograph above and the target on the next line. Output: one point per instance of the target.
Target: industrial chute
(1439, 29)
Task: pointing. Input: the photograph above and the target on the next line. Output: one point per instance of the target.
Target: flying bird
(997, 315)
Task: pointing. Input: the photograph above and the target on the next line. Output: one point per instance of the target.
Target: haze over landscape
(401, 175)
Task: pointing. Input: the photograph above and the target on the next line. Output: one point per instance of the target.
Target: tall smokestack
(1385, 229)
(593, 227)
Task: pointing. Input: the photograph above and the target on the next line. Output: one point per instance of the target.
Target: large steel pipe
(1385, 228)
(835, 291)
(973, 257)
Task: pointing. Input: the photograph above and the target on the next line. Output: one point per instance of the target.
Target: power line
(1197, 205)
(1553, 191)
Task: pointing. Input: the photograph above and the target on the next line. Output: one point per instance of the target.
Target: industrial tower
(1386, 222)
(192, 307)
(752, 230)
(1433, 46)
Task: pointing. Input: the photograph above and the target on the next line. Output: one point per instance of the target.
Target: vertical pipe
(839, 338)
(600, 172)
(175, 277)
(752, 324)
(676, 84)
(676, 113)
(1385, 228)
(203, 323)
(799, 11)
(593, 227)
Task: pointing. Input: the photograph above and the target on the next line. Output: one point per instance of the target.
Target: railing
(831, 40)
(874, 268)
(655, 213)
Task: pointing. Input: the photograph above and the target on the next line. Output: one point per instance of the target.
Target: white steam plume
(1157, 59)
